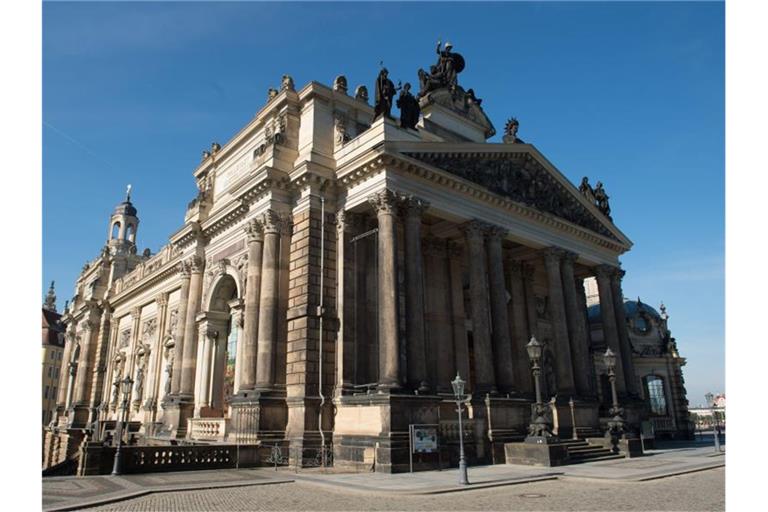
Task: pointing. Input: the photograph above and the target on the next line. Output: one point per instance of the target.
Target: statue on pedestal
(444, 73)
(385, 91)
(409, 108)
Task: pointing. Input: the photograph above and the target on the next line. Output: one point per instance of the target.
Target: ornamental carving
(524, 182)
(414, 206)
(148, 329)
(384, 201)
(173, 322)
(125, 338)
(341, 136)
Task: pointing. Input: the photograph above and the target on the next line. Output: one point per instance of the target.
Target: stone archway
(219, 332)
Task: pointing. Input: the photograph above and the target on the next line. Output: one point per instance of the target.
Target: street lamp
(539, 427)
(710, 398)
(616, 423)
(127, 385)
(458, 391)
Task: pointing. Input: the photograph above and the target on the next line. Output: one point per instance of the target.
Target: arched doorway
(217, 351)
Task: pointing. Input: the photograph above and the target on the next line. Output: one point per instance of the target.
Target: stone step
(609, 456)
(583, 450)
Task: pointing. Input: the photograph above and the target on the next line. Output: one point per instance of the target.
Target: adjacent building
(53, 350)
(336, 270)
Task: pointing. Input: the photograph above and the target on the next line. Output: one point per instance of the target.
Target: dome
(125, 208)
(631, 309)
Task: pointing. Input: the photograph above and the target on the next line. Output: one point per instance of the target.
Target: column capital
(432, 245)
(136, 313)
(496, 233)
(455, 248)
(384, 202)
(618, 274)
(349, 221)
(184, 269)
(528, 271)
(162, 299)
(254, 231)
(475, 228)
(271, 222)
(515, 267)
(553, 255)
(604, 271)
(413, 207)
(570, 257)
(196, 264)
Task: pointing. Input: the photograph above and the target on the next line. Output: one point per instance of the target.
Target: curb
(440, 490)
(138, 493)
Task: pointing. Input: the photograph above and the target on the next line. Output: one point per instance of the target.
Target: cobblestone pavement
(700, 491)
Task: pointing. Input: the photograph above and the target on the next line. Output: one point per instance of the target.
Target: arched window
(654, 391)
(115, 230)
(130, 232)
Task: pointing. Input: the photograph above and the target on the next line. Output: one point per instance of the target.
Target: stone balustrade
(207, 429)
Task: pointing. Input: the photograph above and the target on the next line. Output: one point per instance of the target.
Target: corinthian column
(187, 386)
(608, 315)
(255, 236)
(437, 312)
(478, 290)
(562, 349)
(267, 329)
(347, 224)
(414, 295)
(520, 337)
(384, 203)
(621, 326)
(502, 344)
(577, 326)
(529, 275)
(185, 269)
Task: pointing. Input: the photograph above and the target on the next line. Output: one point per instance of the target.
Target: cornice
(403, 163)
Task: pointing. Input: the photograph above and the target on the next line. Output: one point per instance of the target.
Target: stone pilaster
(441, 358)
(188, 364)
(485, 377)
(385, 202)
(347, 225)
(268, 302)
(502, 343)
(414, 209)
(255, 237)
(88, 335)
(621, 327)
(577, 327)
(458, 314)
(154, 373)
(69, 343)
(608, 315)
(562, 348)
(185, 269)
(581, 306)
(100, 362)
(520, 337)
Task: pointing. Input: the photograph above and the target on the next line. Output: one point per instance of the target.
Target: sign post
(422, 439)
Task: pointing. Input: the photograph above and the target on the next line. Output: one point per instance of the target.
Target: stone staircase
(581, 451)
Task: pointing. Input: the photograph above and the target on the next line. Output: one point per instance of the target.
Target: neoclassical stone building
(332, 276)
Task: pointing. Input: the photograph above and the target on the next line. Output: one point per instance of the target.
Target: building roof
(52, 328)
(631, 309)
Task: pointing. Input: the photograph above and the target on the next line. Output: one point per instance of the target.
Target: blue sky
(631, 94)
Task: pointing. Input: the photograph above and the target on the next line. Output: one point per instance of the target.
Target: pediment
(522, 178)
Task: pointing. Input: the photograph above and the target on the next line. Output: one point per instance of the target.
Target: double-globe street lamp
(539, 431)
(458, 391)
(616, 425)
(127, 386)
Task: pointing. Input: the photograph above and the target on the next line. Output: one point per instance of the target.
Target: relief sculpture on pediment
(525, 182)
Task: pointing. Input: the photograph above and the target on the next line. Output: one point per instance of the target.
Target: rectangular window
(46, 392)
(50, 371)
(53, 395)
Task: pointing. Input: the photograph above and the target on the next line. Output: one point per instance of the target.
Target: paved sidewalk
(70, 493)
(73, 493)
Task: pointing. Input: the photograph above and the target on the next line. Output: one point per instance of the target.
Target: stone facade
(325, 289)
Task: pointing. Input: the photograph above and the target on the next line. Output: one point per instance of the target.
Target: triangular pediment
(520, 176)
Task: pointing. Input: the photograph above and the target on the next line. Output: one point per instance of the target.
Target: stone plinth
(374, 429)
(507, 421)
(538, 451)
(177, 410)
(257, 417)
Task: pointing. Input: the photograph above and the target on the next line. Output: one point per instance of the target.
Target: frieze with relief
(523, 182)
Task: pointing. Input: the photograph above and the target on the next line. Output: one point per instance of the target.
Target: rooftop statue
(409, 108)
(444, 73)
(385, 91)
(510, 131)
(596, 196)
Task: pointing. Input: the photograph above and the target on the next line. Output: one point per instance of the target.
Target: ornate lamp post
(539, 429)
(616, 423)
(458, 391)
(710, 398)
(127, 385)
